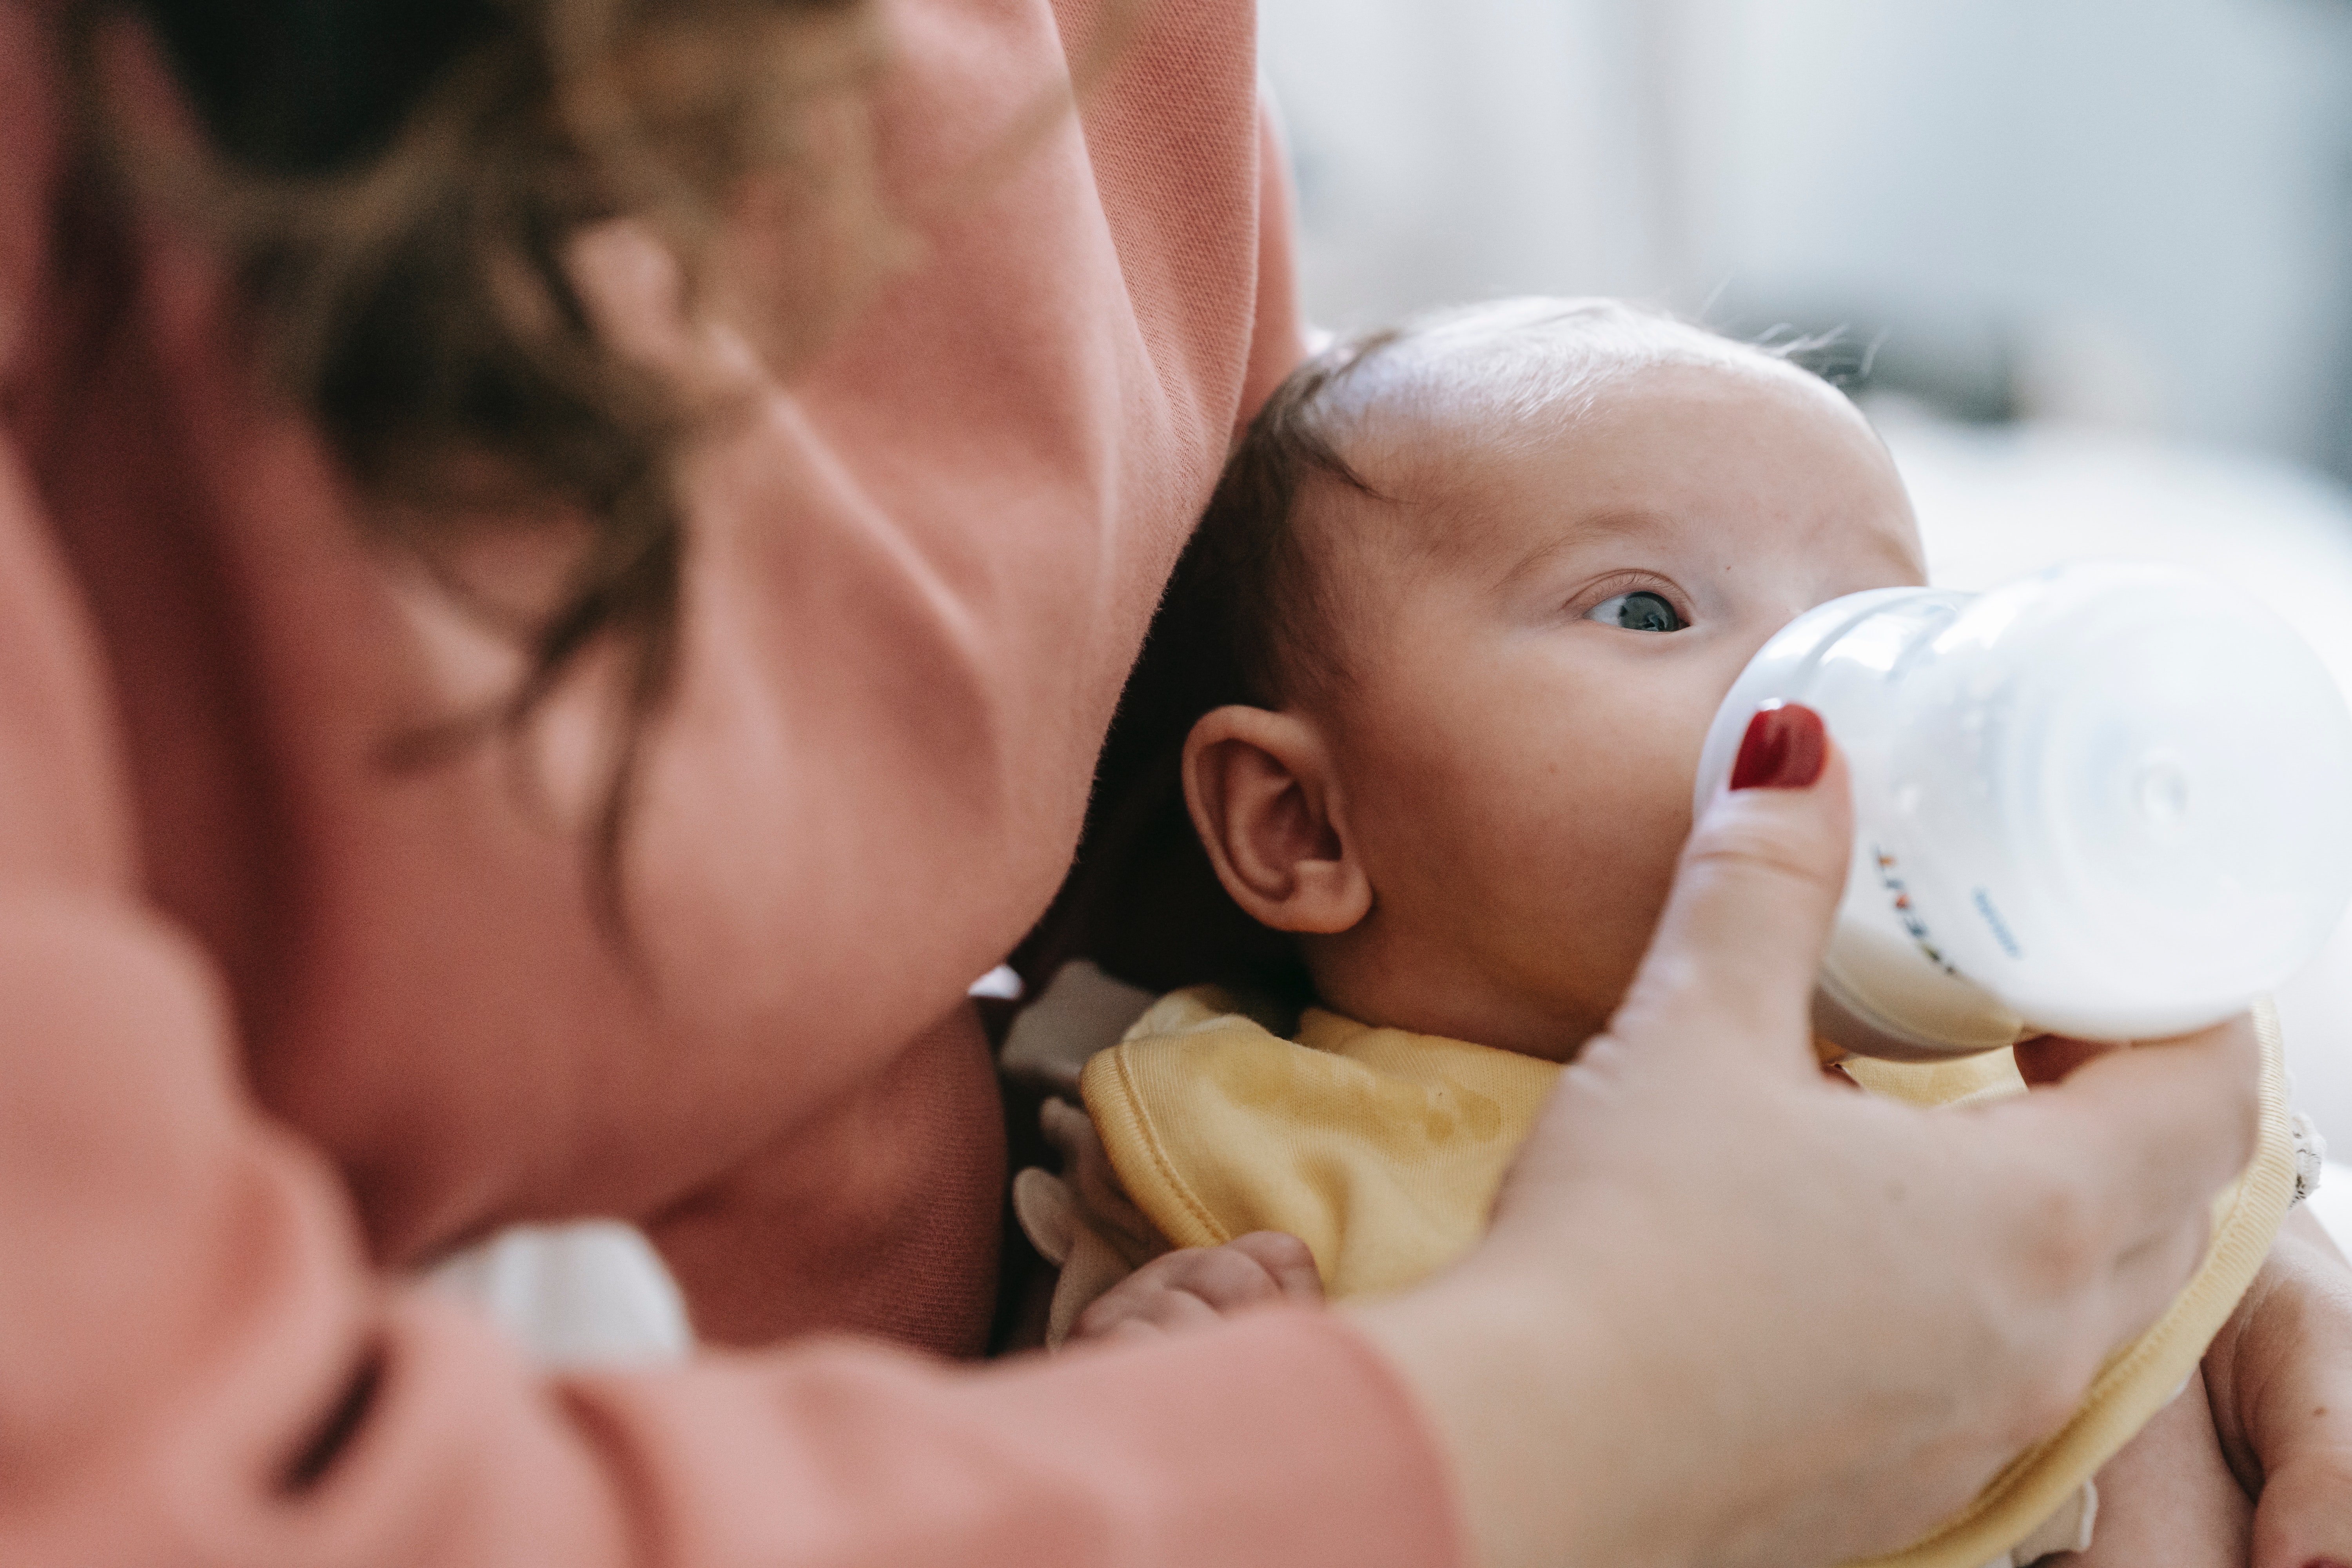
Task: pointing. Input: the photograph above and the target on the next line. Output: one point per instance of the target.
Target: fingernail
(2323, 1562)
(1784, 747)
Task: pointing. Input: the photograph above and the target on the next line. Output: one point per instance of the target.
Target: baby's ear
(1266, 804)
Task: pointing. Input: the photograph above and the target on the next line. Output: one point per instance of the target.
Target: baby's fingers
(1255, 1270)
(1286, 1260)
(1199, 1285)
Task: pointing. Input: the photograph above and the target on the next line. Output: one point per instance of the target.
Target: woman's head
(1516, 556)
(403, 190)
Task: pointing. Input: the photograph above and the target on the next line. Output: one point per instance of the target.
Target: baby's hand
(2281, 1373)
(1198, 1285)
(1168, 1290)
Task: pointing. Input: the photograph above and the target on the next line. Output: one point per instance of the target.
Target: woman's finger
(2046, 1059)
(2137, 1141)
(1733, 960)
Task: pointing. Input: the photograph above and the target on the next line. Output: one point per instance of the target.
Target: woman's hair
(396, 185)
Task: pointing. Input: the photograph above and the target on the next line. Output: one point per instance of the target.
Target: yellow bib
(1384, 1150)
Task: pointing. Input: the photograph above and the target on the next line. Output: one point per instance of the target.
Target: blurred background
(2136, 212)
(2091, 258)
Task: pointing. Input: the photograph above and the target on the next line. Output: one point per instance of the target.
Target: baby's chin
(1549, 1021)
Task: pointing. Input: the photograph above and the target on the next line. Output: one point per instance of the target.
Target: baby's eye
(1637, 612)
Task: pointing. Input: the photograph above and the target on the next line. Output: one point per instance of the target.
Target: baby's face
(1536, 650)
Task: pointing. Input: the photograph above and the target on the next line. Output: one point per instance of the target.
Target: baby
(1482, 583)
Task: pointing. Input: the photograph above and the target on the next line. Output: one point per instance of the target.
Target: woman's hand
(1729, 1315)
(2280, 1377)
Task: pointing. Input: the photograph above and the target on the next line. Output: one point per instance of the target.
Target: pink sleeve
(201, 1369)
(197, 1364)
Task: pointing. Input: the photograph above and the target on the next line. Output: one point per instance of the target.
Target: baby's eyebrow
(1615, 523)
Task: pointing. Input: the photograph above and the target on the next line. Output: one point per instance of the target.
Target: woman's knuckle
(1756, 827)
(2063, 1238)
(1740, 848)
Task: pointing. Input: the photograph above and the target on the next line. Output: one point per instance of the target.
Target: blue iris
(1637, 612)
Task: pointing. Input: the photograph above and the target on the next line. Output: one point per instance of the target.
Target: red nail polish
(1784, 747)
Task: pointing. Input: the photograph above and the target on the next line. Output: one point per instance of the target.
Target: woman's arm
(195, 1364)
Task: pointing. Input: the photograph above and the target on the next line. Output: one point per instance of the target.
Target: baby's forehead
(1463, 452)
(1537, 367)
(1431, 421)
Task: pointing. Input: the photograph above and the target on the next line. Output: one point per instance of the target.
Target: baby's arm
(2169, 1500)
(2278, 1419)
(2281, 1376)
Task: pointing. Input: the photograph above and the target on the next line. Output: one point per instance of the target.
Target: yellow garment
(1382, 1151)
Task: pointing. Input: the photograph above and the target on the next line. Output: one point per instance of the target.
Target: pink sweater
(274, 1022)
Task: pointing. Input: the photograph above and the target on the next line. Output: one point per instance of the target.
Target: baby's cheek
(1616, 882)
(1537, 824)
(1571, 873)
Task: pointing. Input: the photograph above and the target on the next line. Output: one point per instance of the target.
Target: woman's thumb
(1733, 960)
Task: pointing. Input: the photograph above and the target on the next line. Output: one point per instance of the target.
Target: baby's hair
(1247, 568)
(1252, 567)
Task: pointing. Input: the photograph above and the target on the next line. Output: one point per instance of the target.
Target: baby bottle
(2109, 801)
